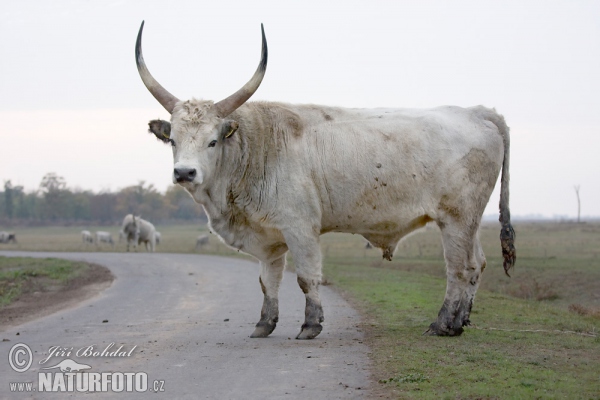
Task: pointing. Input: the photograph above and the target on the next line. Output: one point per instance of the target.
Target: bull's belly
(383, 229)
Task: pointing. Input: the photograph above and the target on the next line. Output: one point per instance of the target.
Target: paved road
(189, 317)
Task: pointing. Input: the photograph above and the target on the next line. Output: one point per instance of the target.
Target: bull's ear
(228, 128)
(161, 129)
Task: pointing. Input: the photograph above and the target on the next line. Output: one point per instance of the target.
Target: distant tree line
(55, 203)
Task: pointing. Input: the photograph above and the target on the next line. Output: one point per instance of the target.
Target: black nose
(184, 174)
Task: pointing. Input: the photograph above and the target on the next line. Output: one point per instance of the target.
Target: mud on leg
(307, 258)
(464, 264)
(271, 274)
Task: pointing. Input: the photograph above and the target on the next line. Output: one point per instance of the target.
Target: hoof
(436, 330)
(309, 331)
(263, 329)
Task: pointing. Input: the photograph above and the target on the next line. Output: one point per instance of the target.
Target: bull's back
(146, 230)
(393, 165)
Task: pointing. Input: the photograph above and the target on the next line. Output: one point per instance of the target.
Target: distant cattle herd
(134, 231)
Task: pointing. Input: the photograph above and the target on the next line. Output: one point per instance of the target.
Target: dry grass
(585, 311)
(533, 290)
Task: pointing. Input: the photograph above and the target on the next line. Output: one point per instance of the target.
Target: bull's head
(198, 130)
(131, 224)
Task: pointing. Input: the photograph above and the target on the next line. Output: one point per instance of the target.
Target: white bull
(137, 230)
(104, 237)
(272, 177)
(86, 237)
(8, 237)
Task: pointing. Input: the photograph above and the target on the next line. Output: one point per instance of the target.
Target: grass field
(535, 335)
(175, 239)
(19, 275)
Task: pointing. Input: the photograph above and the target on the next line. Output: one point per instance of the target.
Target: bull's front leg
(271, 273)
(307, 258)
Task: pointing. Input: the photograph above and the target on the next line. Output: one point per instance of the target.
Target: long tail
(507, 233)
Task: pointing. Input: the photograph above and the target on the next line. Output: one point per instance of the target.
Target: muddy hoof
(436, 330)
(263, 329)
(309, 331)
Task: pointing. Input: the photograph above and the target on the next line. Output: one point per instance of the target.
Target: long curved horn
(166, 99)
(231, 103)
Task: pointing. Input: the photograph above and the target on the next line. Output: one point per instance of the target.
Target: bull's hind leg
(475, 277)
(464, 264)
(271, 274)
(307, 258)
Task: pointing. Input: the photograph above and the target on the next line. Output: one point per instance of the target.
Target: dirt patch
(33, 303)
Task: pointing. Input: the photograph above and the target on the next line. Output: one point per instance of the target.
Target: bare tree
(578, 204)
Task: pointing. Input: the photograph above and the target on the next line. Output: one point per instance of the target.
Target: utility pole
(578, 204)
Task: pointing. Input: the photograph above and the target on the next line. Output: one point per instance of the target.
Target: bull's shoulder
(269, 118)
(148, 224)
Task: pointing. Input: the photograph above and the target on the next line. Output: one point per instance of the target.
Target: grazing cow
(86, 237)
(137, 231)
(157, 237)
(272, 177)
(201, 241)
(104, 237)
(8, 237)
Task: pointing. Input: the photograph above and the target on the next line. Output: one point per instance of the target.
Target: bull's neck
(214, 200)
(237, 194)
(220, 196)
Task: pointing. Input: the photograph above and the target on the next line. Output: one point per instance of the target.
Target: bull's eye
(172, 142)
(212, 144)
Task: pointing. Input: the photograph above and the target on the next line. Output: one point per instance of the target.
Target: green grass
(19, 275)
(483, 362)
(525, 343)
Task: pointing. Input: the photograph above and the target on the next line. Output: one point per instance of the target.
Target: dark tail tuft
(507, 241)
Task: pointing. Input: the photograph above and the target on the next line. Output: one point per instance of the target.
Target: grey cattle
(8, 237)
(201, 241)
(137, 231)
(272, 177)
(104, 237)
(86, 237)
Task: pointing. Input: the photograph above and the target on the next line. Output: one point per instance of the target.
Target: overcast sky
(72, 102)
